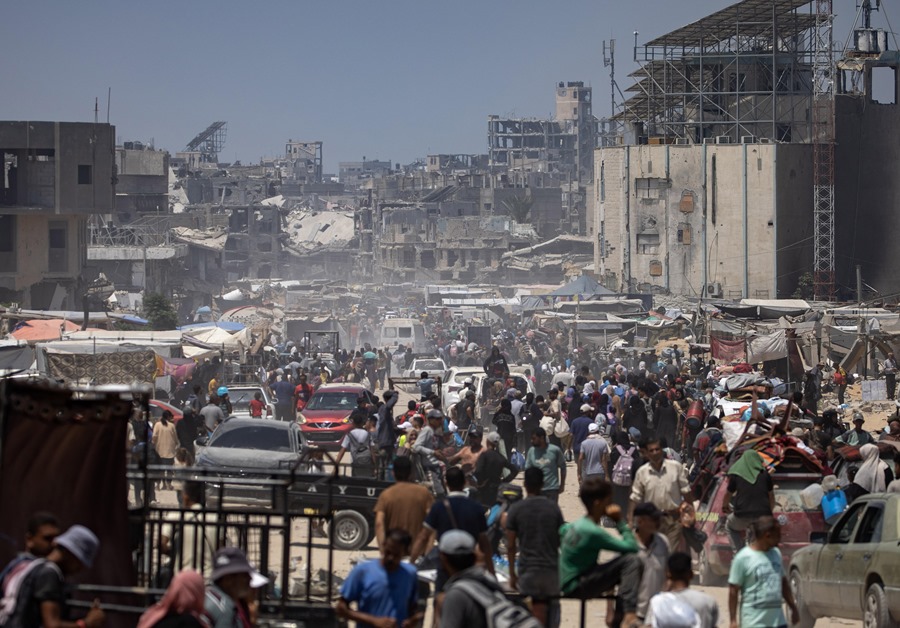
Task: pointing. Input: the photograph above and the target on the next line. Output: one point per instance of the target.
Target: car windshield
(429, 365)
(240, 400)
(460, 378)
(260, 437)
(337, 400)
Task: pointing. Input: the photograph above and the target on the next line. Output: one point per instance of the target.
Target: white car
(454, 382)
(240, 397)
(435, 367)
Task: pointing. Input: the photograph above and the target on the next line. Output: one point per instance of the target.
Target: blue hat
(81, 543)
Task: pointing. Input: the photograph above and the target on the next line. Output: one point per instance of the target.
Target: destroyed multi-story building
(305, 160)
(710, 190)
(562, 147)
(142, 185)
(54, 176)
(354, 173)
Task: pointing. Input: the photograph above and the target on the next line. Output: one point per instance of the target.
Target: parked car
(241, 396)
(242, 449)
(157, 407)
(853, 571)
(797, 523)
(326, 418)
(435, 367)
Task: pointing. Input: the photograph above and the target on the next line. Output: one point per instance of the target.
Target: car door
(825, 581)
(858, 557)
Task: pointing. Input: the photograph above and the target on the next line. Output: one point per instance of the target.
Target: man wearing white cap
(593, 459)
(41, 598)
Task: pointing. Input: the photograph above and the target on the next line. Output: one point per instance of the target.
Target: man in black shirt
(750, 495)
(489, 471)
(41, 598)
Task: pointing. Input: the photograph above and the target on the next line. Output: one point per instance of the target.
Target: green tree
(805, 287)
(519, 208)
(160, 312)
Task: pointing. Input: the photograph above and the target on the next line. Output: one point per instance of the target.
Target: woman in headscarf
(181, 606)
(635, 416)
(750, 495)
(622, 447)
(873, 476)
(665, 420)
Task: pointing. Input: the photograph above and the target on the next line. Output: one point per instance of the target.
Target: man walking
(427, 447)
(228, 597)
(456, 511)
(550, 460)
(889, 368)
(593, 459)
(402, 506)
(489, 471)
(385, 434)
(385, 590)
(533, 524)
(663, 483)
(757, 579)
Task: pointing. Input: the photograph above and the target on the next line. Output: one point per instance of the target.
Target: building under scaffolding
(710, 188)
(743, 72)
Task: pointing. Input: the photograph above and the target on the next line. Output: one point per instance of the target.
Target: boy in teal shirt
(581, 543)
(757, 576)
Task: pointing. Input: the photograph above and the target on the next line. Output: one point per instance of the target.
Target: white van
(408, 332)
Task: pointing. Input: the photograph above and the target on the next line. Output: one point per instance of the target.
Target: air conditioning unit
(714, 290)
(765, 140)
(749, 139)
(723, 139)
(682, 141)
(709, 140)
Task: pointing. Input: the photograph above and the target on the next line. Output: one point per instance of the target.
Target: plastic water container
(812, 496)
(833, 505)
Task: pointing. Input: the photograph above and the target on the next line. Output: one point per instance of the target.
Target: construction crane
(823, 138)
(209, 143)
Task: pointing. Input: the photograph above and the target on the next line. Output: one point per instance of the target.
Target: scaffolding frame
(824, 88)
(210, 142)
(743, 72)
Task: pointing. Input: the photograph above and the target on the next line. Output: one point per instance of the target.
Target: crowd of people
(627, 432)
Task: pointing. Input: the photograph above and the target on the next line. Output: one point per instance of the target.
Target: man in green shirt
(582, 541)
(757, 575)
(550, 459)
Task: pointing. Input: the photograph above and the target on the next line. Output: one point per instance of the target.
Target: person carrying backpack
(624, 460)
(358, 442)
(474, 598)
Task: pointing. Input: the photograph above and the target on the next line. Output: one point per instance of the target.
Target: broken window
(684, 234)
(656, 268)
(648, 243)
(58, 246)
(85, 176)
(7, 243)
(649, 189)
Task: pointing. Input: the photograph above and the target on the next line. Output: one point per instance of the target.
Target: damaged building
(55, 175)
(710, 190)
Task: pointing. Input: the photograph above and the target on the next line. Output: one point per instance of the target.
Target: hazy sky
(386, 79)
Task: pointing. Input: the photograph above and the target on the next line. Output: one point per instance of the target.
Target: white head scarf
(871, 473)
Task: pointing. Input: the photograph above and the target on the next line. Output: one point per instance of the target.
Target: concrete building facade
(54, 176)
(712, 220)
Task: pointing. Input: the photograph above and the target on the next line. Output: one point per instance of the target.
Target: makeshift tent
(15, 355)
(40, 330)
(581, 286)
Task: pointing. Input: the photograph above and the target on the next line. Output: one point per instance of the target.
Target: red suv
(326, 418)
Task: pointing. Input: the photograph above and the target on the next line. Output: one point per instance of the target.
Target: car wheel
(875, 610)
(806, 618)
(708, 578)
(349, 530)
